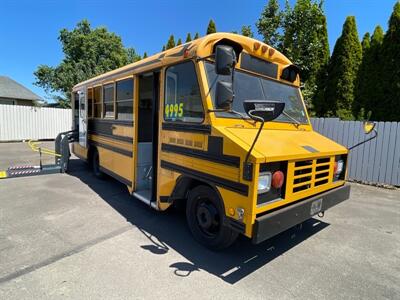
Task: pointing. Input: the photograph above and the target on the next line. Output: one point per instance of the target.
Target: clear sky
(29, 29)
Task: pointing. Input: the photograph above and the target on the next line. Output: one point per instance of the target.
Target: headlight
(339, 168)
(264, 182)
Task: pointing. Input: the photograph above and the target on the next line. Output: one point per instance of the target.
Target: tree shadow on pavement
(165, 230)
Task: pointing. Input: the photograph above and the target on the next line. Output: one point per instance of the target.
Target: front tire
(205, 216)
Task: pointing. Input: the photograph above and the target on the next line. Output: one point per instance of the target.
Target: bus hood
(275, 145)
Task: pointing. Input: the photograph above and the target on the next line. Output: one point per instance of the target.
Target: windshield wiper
(295, 121)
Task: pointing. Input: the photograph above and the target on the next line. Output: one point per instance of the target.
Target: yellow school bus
(217, 125)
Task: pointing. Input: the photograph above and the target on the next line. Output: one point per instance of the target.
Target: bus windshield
(252, 87)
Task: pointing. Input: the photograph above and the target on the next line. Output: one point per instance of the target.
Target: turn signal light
(277, 179)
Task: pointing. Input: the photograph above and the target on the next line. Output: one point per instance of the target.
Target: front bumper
(280, 220)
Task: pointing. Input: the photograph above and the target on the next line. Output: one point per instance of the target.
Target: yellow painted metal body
(277, 142)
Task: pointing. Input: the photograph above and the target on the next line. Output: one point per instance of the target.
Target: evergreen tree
(342, 71)
(145, 55)
(360, 98)
(211, 27)
(171, 42)
(246, 31)
(388, 107)
(319, 76)
(269, 23)
(305, 42)
(163, 48)
(196, 36)
(370, 94)
(179, 42)
(188, 38)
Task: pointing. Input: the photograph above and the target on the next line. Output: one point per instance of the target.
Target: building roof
(9, 88)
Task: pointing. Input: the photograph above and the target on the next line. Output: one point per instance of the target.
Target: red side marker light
(277, 179)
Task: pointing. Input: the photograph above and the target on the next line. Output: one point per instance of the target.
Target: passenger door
(82, 124)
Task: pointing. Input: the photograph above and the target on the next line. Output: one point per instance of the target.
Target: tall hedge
(342, 71)
(388, 108)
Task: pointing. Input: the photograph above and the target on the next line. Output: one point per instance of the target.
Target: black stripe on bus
(206, 155)
(113, 137)
(187, 127)
(105, 128)
(237, 187)
(116, 176)
(112, 148)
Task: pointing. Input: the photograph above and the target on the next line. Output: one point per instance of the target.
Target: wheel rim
(207, 217)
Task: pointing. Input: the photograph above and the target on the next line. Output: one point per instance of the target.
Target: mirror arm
(367, 140)
(259, 119)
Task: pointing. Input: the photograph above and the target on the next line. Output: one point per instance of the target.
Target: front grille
(310, 173)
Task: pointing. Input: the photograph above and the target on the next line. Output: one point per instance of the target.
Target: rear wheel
(205, 216)
(96, 165)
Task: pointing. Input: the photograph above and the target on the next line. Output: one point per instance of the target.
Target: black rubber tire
(221, 236)
(96, 165)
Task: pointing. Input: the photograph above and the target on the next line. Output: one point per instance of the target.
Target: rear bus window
(125, 99)
(182, 101)
(108, 99)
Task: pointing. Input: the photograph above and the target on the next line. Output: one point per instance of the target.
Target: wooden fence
(377, 161)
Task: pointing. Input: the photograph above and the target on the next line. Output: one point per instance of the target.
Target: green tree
(87, 52)
(196, 36)
(269, 24)
(163, 48)
(171, 42)
(179, 42)
(131, 55)
(246, 31)
(389, 97)
(305, 42)
(188, 38)
(370, 93)
(211, 27)
(342, 71)
(362, 79)
(145, 55)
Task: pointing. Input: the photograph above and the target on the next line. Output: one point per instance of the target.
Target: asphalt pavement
(72, 236)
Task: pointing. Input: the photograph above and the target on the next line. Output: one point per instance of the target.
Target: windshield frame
(225, 115)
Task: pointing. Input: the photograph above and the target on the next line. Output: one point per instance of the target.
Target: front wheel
(205, 216)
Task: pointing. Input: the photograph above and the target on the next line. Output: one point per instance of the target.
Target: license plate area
(316, 207)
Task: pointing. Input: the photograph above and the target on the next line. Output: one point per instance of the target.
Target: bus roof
(201, 47)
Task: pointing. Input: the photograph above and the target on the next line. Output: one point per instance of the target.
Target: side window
(108, 100)
(124, 99)
(90, 102)
(182, 101)
(97, 109)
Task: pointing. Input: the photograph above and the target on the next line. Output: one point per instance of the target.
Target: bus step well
(61, 155)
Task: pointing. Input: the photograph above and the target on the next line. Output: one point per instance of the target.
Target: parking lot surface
(74, 236)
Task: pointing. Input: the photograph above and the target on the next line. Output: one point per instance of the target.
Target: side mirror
(225, 60)
(267, 110)
(368, 127)
(224, 94)
(290, 73)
